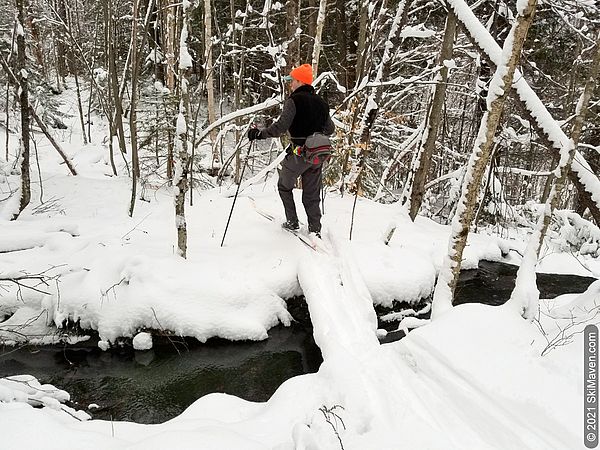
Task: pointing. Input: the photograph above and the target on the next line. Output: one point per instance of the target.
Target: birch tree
(169, 40)
(169, 33)
(499, 88)
(180, 179)
(318, 36)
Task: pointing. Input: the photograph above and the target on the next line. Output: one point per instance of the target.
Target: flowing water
(156, 385)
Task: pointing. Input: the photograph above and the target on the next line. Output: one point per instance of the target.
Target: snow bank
(474, 378)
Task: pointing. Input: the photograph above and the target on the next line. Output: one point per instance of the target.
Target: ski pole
(237, 191)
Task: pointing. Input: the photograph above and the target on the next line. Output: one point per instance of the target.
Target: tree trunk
(114, 81)
(342, 43)
(237, 87)
(61, 50)
(7, 106)
(499, 89)
(309, 29)
(169, 40)
(91, 94)
(210, 83)
(548, 183)
(25, 191)
(362, 39)
(427, 144)
(292, 24)
(135, 172)
(8, 83)
(36, 48)
(52, 141)
(73, 69)
(318, 35)
(181, 140)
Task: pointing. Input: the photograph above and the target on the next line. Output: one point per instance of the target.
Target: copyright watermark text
(590, 386)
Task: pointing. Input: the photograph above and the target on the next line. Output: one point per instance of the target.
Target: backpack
(317, 149)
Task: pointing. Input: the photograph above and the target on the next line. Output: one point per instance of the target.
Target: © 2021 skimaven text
(590, 382)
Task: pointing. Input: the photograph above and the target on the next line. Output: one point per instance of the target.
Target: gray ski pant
(293, 167)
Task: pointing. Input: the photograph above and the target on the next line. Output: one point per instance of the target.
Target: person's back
(303, 114)
(312, 113)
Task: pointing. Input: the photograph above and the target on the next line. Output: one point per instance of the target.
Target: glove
(254, 133)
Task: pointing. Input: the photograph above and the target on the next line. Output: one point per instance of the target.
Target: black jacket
(303, 114)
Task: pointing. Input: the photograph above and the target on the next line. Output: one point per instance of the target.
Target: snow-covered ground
(473, 379)
(119, 275)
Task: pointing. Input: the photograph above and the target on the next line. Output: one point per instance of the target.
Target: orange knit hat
(303, 73)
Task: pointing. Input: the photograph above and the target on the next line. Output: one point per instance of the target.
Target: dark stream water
(156, 385)
(492, 283)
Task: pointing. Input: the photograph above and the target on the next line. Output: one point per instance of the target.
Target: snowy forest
(129, 192)
(407, 84)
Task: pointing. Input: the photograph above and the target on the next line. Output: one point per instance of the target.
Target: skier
(304, 113)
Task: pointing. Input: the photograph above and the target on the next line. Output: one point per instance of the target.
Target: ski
(304, 239)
